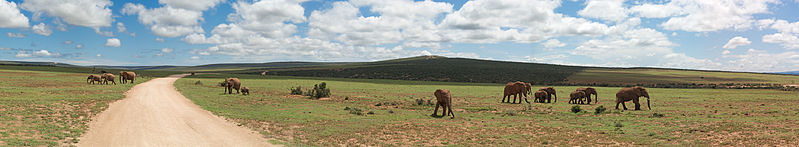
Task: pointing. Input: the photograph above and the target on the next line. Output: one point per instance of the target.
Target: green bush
(355, 111)
(599, 110)
(576, 108)
(296, 91)
(319, 91)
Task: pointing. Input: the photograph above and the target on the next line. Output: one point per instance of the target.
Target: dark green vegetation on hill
(51, 105)
(436, 68)
(680, 117)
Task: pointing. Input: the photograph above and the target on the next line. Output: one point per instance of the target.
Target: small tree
(296, 91)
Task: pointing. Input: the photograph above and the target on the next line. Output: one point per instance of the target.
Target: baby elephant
(577, 97)
(245, 91)
(94, 78)
(444, 100)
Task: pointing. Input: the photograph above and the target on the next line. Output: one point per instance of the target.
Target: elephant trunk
(647, 103)
(556, 97)
(596, 98)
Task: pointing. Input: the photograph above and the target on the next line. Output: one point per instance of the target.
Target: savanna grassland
(679, 116)
(51, 106)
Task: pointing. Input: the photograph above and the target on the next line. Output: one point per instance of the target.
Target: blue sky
(735, 35)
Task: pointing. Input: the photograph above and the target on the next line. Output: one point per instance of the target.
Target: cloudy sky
(736, 35)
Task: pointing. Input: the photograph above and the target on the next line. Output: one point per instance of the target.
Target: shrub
(296, 91)
(657, 115)
(423, 102)
(576, 108)
(355, 111)
(198, 83)
(599, 110)
(370, 112)
(618, 125)
(319, 91)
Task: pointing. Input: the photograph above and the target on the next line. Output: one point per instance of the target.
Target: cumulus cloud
(753, 60)
(67, 42)
(611, 10)
(196, 5)
(787, 41)
(121, 27)
(553, 43)
(705, 16)
(159, 39)
(42, 29)
(167, 50)
(79, 46)
(10, 16)
(737, 41)
(639, 47)
(195, 58)
(15, 35)
(39, 53)
(113, 42)
(167, 21)
(86, 13)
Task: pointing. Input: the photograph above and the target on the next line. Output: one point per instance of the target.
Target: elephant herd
(124, 76)
(234, 83)
(579, 96)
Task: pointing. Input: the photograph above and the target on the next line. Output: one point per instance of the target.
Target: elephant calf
(94, 78)
(576, 96)
(444, 99)
(540, 96)
(108, 77)
(245, 90)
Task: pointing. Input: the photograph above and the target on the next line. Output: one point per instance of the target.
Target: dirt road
(155, 114)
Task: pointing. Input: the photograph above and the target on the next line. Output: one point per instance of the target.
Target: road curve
(155, 114)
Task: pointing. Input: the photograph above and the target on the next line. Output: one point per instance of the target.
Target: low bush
(319, 91)
(296, 91)
(576, 109)
(599, 110)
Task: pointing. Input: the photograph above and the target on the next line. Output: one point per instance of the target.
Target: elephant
(245, 90)
(632, 93)
(576, 96)
(515, 89)
(551, 92)
(444, 99)
(124, 76)
(540, 96)
(588, 92)
(232, 83)
(93, 78)
(108, 77)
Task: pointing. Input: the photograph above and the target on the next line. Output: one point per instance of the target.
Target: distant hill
(36, 63)
(437, 68)
(790, 72)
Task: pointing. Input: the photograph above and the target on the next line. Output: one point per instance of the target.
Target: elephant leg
(503, 98)
(450, 111)
(637, 105)
(623, 106)
(435, 112)
(514, 98)
(617, 105)
(589, 99)
(443, 110)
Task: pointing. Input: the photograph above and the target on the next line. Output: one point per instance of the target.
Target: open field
(51, 106)
(680, 116)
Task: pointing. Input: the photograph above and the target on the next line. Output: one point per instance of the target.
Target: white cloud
(787, 41)
(737, 41)
(167, 21)
(121, 27)
(521, 21)
(269, 18)
(99, 55)
(113, 42)
(10, 16)
(195, 58)
(399, 20)
(639, 47)
(761, 61)
(42, 29)
(68, 42)
(725, 52)
(79, 46)
(785, 26)
(40, 53)
(553, 43)
(705, 16)
(86, 13)
(15, 35)
(196, 5)
(611, 10)
(167, 50)
(159, 39)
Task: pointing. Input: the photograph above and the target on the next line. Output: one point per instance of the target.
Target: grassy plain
(663, 76)
(51, 106)
(680, 116)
